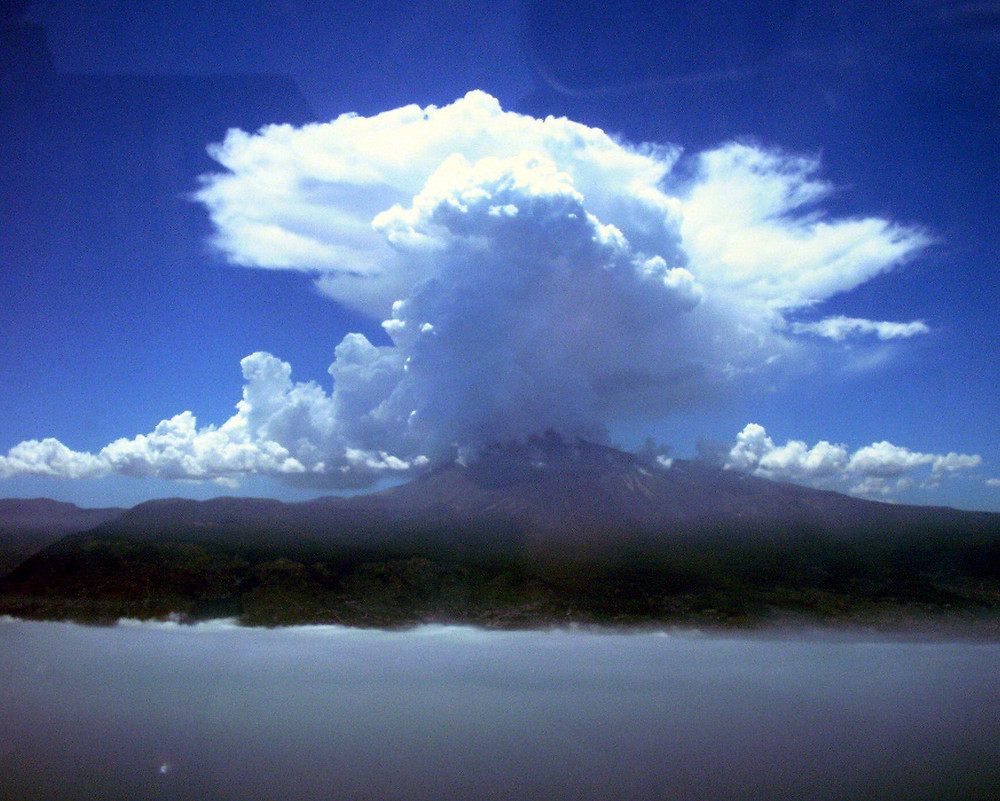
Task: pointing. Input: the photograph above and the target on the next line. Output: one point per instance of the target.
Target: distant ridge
(28, 525)
(40, 513)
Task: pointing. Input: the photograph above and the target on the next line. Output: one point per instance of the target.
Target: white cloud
(885, 460)
(540, 273)
(955, 461)
(840, 328)
(748, 223)
(531, 274)
(751, 225)
(49, 457)
(993, 482)
(882, 488)
(305, 198)
(878, 469)
(755, 452)
(280, 428)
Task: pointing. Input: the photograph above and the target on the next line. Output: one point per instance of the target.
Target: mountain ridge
(27, 525)
(530, 533)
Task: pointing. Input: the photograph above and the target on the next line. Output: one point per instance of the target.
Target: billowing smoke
(531, 274)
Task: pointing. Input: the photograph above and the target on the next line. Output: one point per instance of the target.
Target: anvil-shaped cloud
(531, 274)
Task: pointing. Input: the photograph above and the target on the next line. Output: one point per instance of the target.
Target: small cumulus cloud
(531, 274)
(840, 328)
(754, 451)
(879, 469)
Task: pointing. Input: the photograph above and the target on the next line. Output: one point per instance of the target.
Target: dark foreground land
(584, 535)
(708, 580)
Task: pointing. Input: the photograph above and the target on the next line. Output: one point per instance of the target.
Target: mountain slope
(530, 533)
(28, 525)
(579, 491)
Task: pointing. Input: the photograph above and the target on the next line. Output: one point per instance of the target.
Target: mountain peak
(551, 449)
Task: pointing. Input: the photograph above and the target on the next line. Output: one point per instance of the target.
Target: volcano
(556, 492)
(533, 531)
(582, 490)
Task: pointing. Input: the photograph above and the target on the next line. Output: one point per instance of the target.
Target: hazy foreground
(218, 711)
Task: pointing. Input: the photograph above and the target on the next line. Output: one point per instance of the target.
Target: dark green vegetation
(714, 577)
(536, 536)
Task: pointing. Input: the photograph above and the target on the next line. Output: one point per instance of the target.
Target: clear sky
(763, 232)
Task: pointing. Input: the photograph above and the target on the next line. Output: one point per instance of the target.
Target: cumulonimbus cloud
(530, 273)
(879, 469)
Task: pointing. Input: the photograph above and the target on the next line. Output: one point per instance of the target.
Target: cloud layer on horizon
(531, 274)
(877, 470)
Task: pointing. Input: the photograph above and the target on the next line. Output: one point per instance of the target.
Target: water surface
(217, 711)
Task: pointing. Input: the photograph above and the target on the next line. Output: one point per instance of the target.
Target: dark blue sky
(118, 313)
